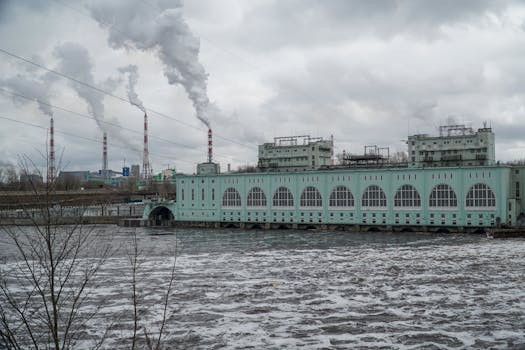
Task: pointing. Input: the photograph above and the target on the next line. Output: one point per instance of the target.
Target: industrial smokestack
(51, 166)
(146, 169)
(210, 146)
(105, 155)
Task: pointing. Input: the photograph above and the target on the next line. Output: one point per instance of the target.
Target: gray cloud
(276, 24)
(39, 90)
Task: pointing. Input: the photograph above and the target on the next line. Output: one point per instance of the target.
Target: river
(238, 289)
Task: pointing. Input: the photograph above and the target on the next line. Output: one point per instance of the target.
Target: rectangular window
(517, 190)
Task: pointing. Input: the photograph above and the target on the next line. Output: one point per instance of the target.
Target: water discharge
(332, 290)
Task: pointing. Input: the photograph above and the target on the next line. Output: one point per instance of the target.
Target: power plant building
(478, 193)
(456, 145)
(294, 153)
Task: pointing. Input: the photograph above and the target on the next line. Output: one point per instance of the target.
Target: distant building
(135, 170)
(168, 174)
(34, 178)
(82, 175)
(294, 153)
(456, 145)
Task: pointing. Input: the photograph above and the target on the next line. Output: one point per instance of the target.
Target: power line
(34, 99)
(109, 93)
(162, 156)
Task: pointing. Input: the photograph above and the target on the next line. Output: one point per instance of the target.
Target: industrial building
(468, 197)
(295, 153)
(456, 145)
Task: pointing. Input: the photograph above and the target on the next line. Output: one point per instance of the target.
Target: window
(231, 198)
(341, 197)
(311, 197)
(481, 196)
(407, 196)
(282, 198)
(256, 198)
(374, 196)
(441, 196)
(202, 194)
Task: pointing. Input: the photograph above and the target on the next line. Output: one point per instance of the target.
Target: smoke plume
(75, 62)
(164, 30)
(37, 90)
(133, 77)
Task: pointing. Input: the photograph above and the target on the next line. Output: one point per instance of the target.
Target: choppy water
(321, 290)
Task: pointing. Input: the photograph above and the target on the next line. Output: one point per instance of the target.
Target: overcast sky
(367, 72)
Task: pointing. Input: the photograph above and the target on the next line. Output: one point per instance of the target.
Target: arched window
(256, 198)
(407, 197)
(481, 196)
(311, 198)
(442, 196)
(282, 198)
(341, 197)
(373, 196)
(231, 198)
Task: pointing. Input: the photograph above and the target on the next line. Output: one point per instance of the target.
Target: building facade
(456, 145)
(294, 153)
(476, 196)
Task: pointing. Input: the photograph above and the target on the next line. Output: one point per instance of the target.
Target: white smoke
(133, 77)
(163, 30)
(76, 63)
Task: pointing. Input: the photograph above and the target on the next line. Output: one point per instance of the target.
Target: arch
(373, 229)
(480, 196)
(282, 197)
(161, 216)
(231, 198)
(373, 197)
(407, 229)
(407, 197)
(442, 230)
(256, 198)
(311, 198)
(442, 196)
(256, 227)
(341, 197)
(480, 231)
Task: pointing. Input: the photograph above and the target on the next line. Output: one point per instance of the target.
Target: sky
(367, 72)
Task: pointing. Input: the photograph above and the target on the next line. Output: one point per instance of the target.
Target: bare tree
(43, 289)
(47, 282)
(142, 329)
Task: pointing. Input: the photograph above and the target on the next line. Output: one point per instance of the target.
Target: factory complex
(448, 182)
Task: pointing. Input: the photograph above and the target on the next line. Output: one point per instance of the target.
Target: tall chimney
(146, 169)
(105, 155)
(210, 146)
(51, 166)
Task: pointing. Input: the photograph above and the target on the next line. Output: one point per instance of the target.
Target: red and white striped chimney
(210, 146)
(105, 154)
(146, 168)
(51, 170)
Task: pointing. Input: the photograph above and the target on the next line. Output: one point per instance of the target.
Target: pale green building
(295, 153)
(456, 145)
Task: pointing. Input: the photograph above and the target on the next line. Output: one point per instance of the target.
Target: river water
(238, 289)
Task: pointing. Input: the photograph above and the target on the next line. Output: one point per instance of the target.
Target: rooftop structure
(295, 153)
(456, 145)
